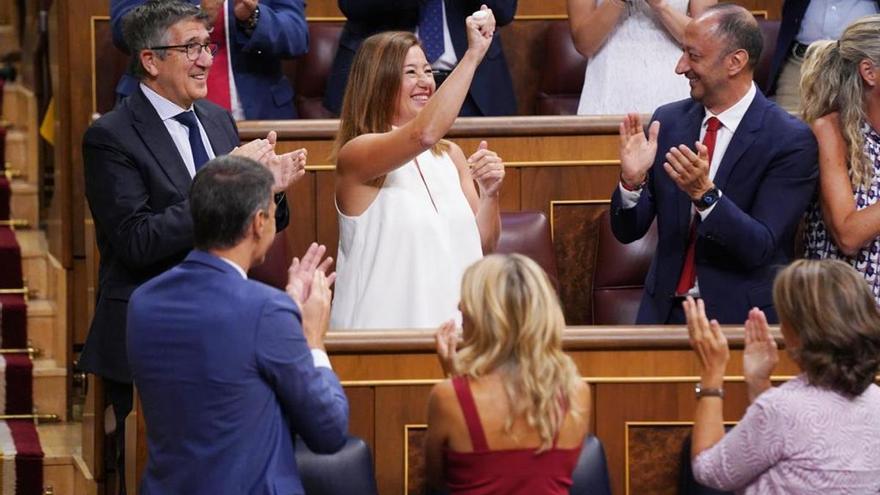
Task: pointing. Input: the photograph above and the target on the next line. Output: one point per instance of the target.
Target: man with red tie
(729, 186)
(252, 37)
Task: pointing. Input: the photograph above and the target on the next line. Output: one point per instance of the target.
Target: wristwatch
(708, 392)
(250, 24)
(708, 198)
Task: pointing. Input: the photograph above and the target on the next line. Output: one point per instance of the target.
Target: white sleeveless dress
(400, 262)
(634, 71)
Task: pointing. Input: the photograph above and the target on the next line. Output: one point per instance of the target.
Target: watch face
(709, 198)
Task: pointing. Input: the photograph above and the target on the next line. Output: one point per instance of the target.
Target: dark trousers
(119, 394)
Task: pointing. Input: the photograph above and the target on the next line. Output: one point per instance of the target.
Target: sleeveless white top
(634, 71)
(401, 261)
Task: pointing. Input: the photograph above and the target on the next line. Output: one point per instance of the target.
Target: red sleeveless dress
(515, 471)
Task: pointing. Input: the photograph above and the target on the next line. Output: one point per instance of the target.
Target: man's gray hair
(147, 26)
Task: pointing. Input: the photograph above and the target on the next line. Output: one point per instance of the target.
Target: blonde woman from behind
(513, 417)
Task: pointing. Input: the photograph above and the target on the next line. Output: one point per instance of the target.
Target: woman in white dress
(410, 217)
(632, 47)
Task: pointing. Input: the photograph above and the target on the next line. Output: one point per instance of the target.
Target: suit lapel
(745, 135)
(155, 136)
(689, 134)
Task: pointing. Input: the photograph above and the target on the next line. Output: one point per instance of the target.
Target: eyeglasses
(193, 50)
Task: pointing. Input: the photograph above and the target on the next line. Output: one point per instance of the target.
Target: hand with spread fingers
(760, 355)
(708, 341)
(301, 273)
(689, 170)
(446, 339)
(487, 168)
(258, 150)
(637, 151)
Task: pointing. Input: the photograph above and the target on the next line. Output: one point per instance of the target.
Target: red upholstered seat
(528, 233)
(273, 270)
(770, 31)
(309, 72)
(562, 76)
(619, 275)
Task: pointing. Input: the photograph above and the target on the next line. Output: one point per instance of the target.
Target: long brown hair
(828, 304)
(370, 100)
(831, 82)
(515, 326)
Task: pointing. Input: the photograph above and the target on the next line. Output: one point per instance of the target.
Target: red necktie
(218, 76)
(689, 269)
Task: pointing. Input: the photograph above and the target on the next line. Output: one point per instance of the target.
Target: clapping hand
(689, 170)
(286, 168)
(760, 355)
(446, 339)
(708, 341)
(487, 168)
(637, 151)
(301, 273)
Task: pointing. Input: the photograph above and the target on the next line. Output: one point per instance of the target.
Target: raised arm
(370, 156)
(591, 24)
(850, 227)
(675, 21)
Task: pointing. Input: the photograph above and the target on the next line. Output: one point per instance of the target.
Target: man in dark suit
(260, 33)
(228, 369)
(491, 91)
(803, 22)
(139, 162)
(726, 210)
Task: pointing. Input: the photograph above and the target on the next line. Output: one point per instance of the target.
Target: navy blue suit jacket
(492, 86)
(264, 91)
(226, 379)
(792, 14)
(768, 176)
(137, 188)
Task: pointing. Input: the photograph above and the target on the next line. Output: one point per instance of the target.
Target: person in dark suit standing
(726, 209)
(139, 162)
(228, 370)
(253, 37)
(803, 22)
(440, 27)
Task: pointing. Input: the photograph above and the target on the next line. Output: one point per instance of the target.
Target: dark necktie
(431, 29)
(200, 156)
(689, 269)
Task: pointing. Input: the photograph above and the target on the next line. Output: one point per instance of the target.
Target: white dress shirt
(447, 60)
(179, 132)
(319, 356)
(827, 19)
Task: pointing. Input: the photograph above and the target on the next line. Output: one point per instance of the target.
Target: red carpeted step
(13, 321)
(5, 193)
(10, 260)
(18, 373)
(20, 445)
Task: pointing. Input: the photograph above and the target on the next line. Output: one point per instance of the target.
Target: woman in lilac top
(816, 433)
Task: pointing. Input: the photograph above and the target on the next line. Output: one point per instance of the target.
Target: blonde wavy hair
(831, 82)
(514, 325)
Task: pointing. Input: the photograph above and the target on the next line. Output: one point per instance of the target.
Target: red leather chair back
(770, 31)
(313, 69)
(562, 75)
(528, 233)
(273, 270)
(619, 275)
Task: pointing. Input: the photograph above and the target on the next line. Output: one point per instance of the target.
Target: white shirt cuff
(628, 198)
(321, 359)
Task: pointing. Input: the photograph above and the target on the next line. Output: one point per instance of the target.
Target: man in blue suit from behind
(229, 369)
(725, 222)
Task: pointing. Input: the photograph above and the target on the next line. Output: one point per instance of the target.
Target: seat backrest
(273, 270)
(590, 475)
(619, 274)
(313, 69)
(528, 233)
(562, 76)
(348, 471)
(770, 32)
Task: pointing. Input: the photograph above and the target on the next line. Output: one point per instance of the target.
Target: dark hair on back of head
(739, 29)
(225, 195)
(147, 25)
